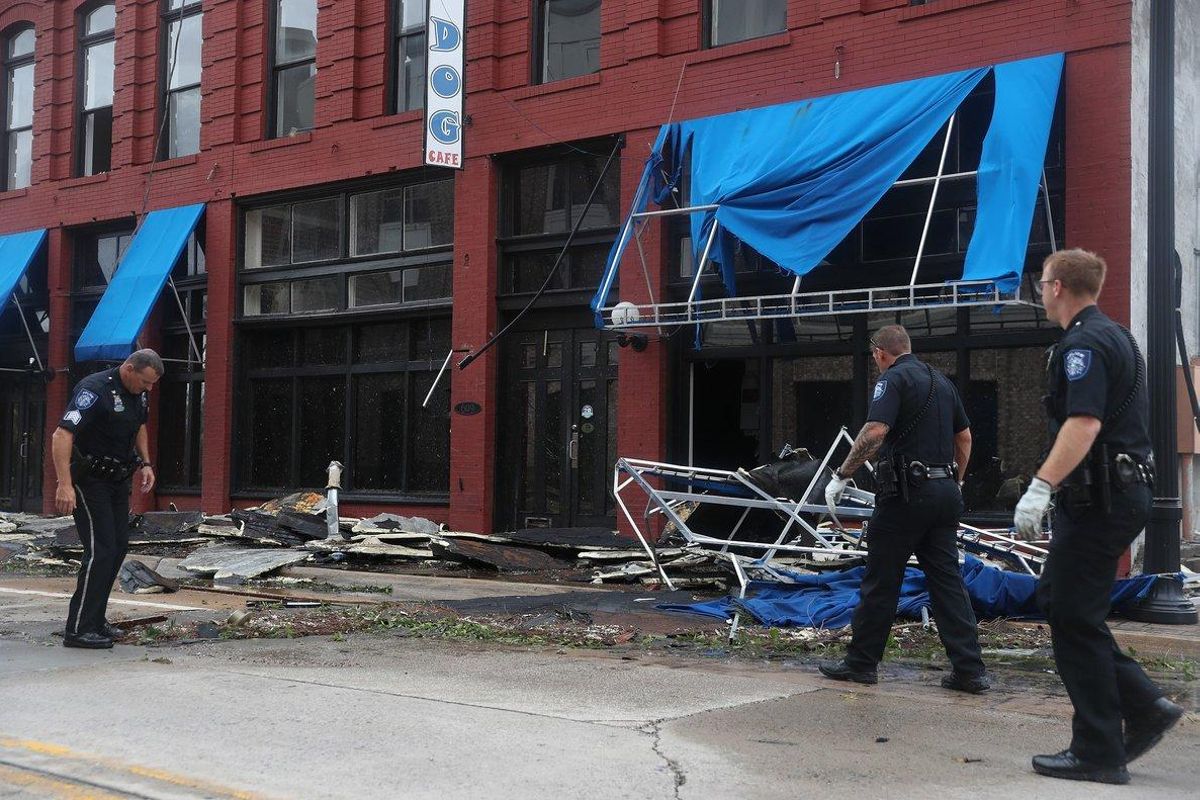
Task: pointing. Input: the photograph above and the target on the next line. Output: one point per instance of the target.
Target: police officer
(1101, 466)
(917, 424)
(99, 444)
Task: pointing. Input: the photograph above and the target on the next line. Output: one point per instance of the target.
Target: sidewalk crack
(653, 729)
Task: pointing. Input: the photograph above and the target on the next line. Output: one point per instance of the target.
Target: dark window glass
(737, 20)
(380, 403)
(180, 432)
(269, 237)
(542, 199)
(267, 298)
(316, 230)
(886, 238)
(427, 283)
(97, 47)
(429, 446)
(98, 258)
(526, 272)
(322, 346)
(428, 215)
(294, 69)
(380, 343)
(430, 340)
(410, 55)
(377, 222)
(377, 289)
(181, 101)
(267, 431)
(322, 412)
(316, 295)
(16, 98)
(271, 348)
(569, 43)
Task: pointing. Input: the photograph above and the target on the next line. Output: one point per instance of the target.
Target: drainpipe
(331, 494)
(1166, 603)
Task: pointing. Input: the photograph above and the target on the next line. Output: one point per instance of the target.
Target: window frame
(348, 369)
(167, 17)
(709, 19)
(275, 68)
(343, 266)
(7, 67)
(538, 46)
(397, 38)
(84, 42)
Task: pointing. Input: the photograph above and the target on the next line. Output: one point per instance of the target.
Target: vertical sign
(445, 27)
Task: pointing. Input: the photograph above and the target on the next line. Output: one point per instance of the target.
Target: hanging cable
(557, 262)
(1182, 344)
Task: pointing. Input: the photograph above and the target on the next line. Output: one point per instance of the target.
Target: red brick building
(332, 272)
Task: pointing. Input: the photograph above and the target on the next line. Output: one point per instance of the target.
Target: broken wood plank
(507, 557)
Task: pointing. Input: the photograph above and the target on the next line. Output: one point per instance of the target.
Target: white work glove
(1031, 508)
(834, 490)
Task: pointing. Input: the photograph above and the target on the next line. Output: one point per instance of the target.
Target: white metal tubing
(1049, 214)
(28, 333)
(670, 212)
(712, 235)
(922, 181)
(610, 275)
(937, 182)
(437, 379)
(637, 529)
(186, 322)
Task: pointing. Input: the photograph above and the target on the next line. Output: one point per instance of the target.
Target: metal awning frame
(909, 297)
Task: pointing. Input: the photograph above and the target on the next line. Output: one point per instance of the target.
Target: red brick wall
(647, 46)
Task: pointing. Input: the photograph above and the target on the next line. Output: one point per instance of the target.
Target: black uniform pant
(102, 519)
(1074, 592)
(925, 526)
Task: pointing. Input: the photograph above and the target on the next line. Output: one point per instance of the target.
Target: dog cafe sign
(445, 27)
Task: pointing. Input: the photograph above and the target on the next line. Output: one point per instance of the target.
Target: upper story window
(97, 42)
(293, 66)
(349, 251)
(737, 20)
(16, 97)
(180, 101)
(567, 36)
(409, 55)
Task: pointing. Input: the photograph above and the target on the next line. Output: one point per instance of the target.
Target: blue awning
(793, 180)
(111, 334)
(17, 251)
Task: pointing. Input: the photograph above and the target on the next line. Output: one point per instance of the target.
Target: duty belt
(920, 471)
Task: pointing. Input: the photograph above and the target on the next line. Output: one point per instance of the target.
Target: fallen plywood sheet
(368, 546)
(571, 538)
(510, 558)
(166, 523)
(237, 565)
(136, 578)
(393, 523)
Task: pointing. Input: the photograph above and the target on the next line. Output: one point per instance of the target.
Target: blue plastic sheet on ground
(828, 600)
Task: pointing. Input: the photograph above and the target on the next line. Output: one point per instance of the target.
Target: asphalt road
(389, 717)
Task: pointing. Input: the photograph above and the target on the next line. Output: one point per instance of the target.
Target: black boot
(88, 641)
(112, 631)
(841, 671)
(1069, 766)
(971, 684)
(1147, 730)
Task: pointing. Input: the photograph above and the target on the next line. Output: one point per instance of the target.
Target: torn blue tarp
(828, 600)
(17, 251)
(793, 180)
(112, 332)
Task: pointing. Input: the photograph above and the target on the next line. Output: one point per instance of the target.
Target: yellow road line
(46, 786)
(58, 752)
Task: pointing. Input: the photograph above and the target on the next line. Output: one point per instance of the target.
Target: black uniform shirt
(899, 396)
(105, 416)
(1092, 372)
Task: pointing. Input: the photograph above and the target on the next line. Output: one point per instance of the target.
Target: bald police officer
(918, 426)
(99, 444)
(1101, 465)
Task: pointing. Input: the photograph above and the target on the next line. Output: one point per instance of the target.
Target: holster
(103, 468)
(891, 477)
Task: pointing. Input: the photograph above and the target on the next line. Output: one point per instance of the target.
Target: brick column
(473, 438)
(220, 248)
(643, 385)
(58, 391)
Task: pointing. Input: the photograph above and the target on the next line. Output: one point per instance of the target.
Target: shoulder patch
(73, 417)
(880, 388)
(1077, 362)
(85, 399)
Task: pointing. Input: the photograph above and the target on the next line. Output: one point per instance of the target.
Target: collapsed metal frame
(909, 297)
(856, 503)
(28, 335)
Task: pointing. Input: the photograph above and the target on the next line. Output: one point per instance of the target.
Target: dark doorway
(725, 414)
(822, 408)
(22, 431)
(558, 431)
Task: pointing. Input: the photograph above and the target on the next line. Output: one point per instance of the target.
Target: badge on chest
(118, 404)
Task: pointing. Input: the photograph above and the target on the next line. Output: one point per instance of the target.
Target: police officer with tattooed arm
(917, 424)
(99, 444)
(1100, 469)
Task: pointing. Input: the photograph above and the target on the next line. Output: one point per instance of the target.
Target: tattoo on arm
(866, 444)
